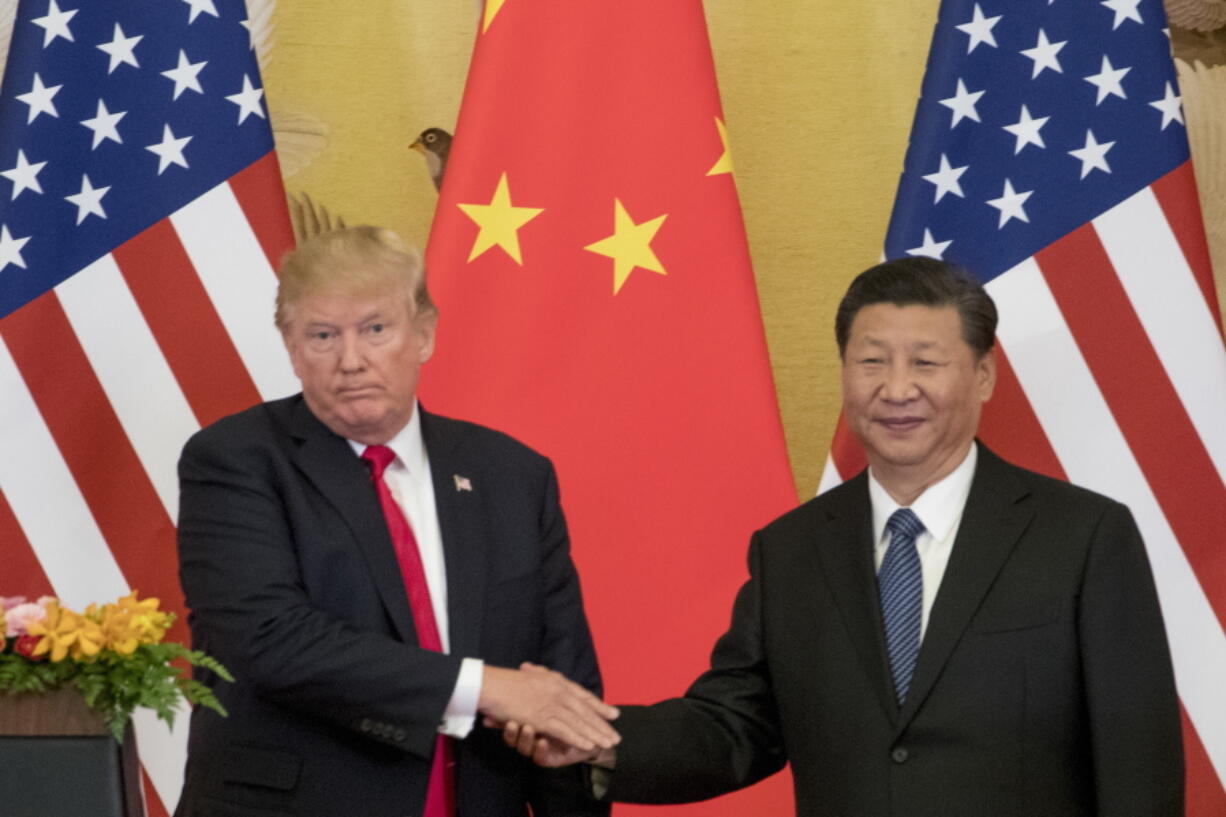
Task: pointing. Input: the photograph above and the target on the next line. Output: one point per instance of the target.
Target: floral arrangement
(113, 655)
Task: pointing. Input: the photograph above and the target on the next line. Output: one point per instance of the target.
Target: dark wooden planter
(57, 759)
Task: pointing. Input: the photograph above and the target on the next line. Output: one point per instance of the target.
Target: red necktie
(440, 796)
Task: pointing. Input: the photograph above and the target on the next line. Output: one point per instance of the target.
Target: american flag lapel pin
(462, 483)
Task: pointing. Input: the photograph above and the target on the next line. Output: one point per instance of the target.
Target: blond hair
(355, 261)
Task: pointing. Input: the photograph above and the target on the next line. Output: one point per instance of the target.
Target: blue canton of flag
(1033, 119)
(112, 116)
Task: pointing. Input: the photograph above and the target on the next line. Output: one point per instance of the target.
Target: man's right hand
(549, 705)
(551, 752)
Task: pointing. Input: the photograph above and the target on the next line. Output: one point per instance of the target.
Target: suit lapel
(992, 523)
(846, 554)
(460, 502)
(328, 462)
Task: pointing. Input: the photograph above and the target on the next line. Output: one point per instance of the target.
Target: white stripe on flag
(163, 752)
(830, 476)
(132, 370)
(1067, 401)
(242, 286)
(1172, 308)
(46, 501)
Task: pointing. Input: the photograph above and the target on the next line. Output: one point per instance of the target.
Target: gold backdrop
(818, 96)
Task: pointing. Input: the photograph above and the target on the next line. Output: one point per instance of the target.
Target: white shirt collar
(408, 445)
(939, 507)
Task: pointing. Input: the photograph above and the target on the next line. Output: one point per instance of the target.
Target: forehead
(343, 307)
(909, 325)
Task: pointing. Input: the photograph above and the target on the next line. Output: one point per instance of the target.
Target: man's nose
(898, 385)
(351, 359)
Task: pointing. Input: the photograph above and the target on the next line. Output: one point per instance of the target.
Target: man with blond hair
(374, 575)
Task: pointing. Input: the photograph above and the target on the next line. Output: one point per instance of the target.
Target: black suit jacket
(293, 584)
(1043, 686)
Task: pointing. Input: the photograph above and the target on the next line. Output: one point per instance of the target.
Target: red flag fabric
(597, 301)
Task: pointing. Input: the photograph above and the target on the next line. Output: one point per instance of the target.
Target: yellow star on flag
(499, 222)
(492, 7)
(724, 163)
(630, 245)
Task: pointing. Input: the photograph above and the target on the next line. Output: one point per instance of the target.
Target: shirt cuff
(461, 711)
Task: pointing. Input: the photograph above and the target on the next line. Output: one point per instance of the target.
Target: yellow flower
(58, 631)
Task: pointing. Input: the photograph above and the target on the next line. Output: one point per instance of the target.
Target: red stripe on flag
(23, 575)
(93, 444)
(1142, 400)
(1010, 427)
(186, 325)
(1205, 795)
(153, 802)
(1177, 195)
(260, 193)
(846, 451)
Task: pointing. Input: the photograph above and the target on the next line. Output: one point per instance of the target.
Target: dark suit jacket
(1043, 686)
(293, 584)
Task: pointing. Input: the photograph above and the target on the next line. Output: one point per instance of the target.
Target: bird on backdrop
(434, 144)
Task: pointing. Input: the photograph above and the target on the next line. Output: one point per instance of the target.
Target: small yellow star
(499, 222)
(492, 7)
(629, 246)
(724, 164)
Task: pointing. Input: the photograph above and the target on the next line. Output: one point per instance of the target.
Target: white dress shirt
(939, 508)
(409, 480)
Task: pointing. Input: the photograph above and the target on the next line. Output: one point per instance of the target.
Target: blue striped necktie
(901, 584)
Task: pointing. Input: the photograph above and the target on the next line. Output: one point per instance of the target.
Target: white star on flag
(185, 74)
(39, 99)
(962, 103)
(979, 29)
(1010, 204)
(1093, 156)
(121, 49)
(198, 7)
(25, 175)
(89, 200)
(10, 249)
(930, 247)
(104, 125)
(1171, 107)
(1108, 81)
(248, 100)
(1026, 129)
(946, 179)
(1044, 55)
(1124, 10)
(170, 150)
(55, 24)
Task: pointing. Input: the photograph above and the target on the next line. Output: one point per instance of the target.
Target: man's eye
(871, 361)
(377, 327)
(322, 334)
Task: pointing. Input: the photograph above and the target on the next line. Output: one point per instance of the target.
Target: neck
(905, 483)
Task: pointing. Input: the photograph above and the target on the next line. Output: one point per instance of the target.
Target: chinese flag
(597, 302)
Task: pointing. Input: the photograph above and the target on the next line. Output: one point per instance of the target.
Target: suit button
(366, 724)
(900, 755)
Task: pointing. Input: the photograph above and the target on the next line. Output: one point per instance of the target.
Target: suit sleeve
(723, 735)
(1129, 684)
(250, 608)
(566, 647)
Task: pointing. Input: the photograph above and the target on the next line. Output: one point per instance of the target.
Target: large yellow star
(724, 163)
(499, 222)
(629, 246)
(492, 7)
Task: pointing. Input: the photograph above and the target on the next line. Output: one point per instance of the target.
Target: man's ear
(985, 371)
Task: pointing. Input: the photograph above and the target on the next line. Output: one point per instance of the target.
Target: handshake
(547, 717)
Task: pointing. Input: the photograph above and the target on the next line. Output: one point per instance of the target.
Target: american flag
(1049, 156)
(141, 214)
